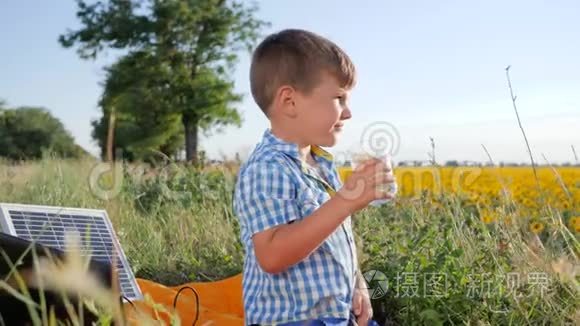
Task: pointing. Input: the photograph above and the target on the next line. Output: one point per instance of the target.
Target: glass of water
(357, 159)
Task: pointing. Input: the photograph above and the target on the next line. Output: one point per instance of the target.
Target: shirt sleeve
(266, 197)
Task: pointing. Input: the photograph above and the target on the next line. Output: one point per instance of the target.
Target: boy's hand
(361, 304)
(364, 184)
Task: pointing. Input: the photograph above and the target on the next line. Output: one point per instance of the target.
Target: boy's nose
(345, 114)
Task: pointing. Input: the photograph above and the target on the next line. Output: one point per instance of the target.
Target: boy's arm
(361, 283)
(282, 246)
(266, 204)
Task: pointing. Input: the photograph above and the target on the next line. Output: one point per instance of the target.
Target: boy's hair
(298, 58)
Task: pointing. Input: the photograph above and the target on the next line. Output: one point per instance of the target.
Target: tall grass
(168, 238)
(179, 227)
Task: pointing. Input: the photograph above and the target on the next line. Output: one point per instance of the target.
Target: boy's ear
(287, 101)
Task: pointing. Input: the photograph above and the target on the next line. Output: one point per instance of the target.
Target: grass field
(463, 245)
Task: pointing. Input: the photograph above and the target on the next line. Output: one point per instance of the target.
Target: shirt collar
(321, 156)
(291, 149)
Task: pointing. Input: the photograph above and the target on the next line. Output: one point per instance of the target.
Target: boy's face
(320, 115)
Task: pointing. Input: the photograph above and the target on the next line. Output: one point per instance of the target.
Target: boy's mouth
(338, 126)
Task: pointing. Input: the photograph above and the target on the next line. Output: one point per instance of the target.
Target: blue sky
(429, 68)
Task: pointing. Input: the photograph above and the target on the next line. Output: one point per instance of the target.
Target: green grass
(176, 225)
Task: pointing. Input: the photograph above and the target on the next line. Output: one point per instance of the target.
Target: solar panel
(48, 225)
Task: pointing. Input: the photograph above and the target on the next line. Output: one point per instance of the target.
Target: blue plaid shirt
(274, 187)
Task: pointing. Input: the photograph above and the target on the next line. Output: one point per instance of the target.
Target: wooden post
(110, 134)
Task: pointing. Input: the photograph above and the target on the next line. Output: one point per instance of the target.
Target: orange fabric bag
(220, 303)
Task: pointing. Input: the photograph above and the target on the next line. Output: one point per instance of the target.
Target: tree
(27, 132)
(144, 122)
(193, 43)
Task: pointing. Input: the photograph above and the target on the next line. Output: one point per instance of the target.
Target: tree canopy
(179, 58)
(29, 132)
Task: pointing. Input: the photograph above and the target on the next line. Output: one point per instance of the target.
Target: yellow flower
(488, 216)
(344, 172)
(566, 205)
(536, 227)
(574, 223)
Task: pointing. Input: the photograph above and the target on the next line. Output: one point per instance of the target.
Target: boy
(300, 266)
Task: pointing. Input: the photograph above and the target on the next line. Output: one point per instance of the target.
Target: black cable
(128, 300)
(122, 307)
(196, 301)
(122, 297)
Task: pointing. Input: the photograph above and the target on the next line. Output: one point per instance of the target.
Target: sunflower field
(500, 194)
